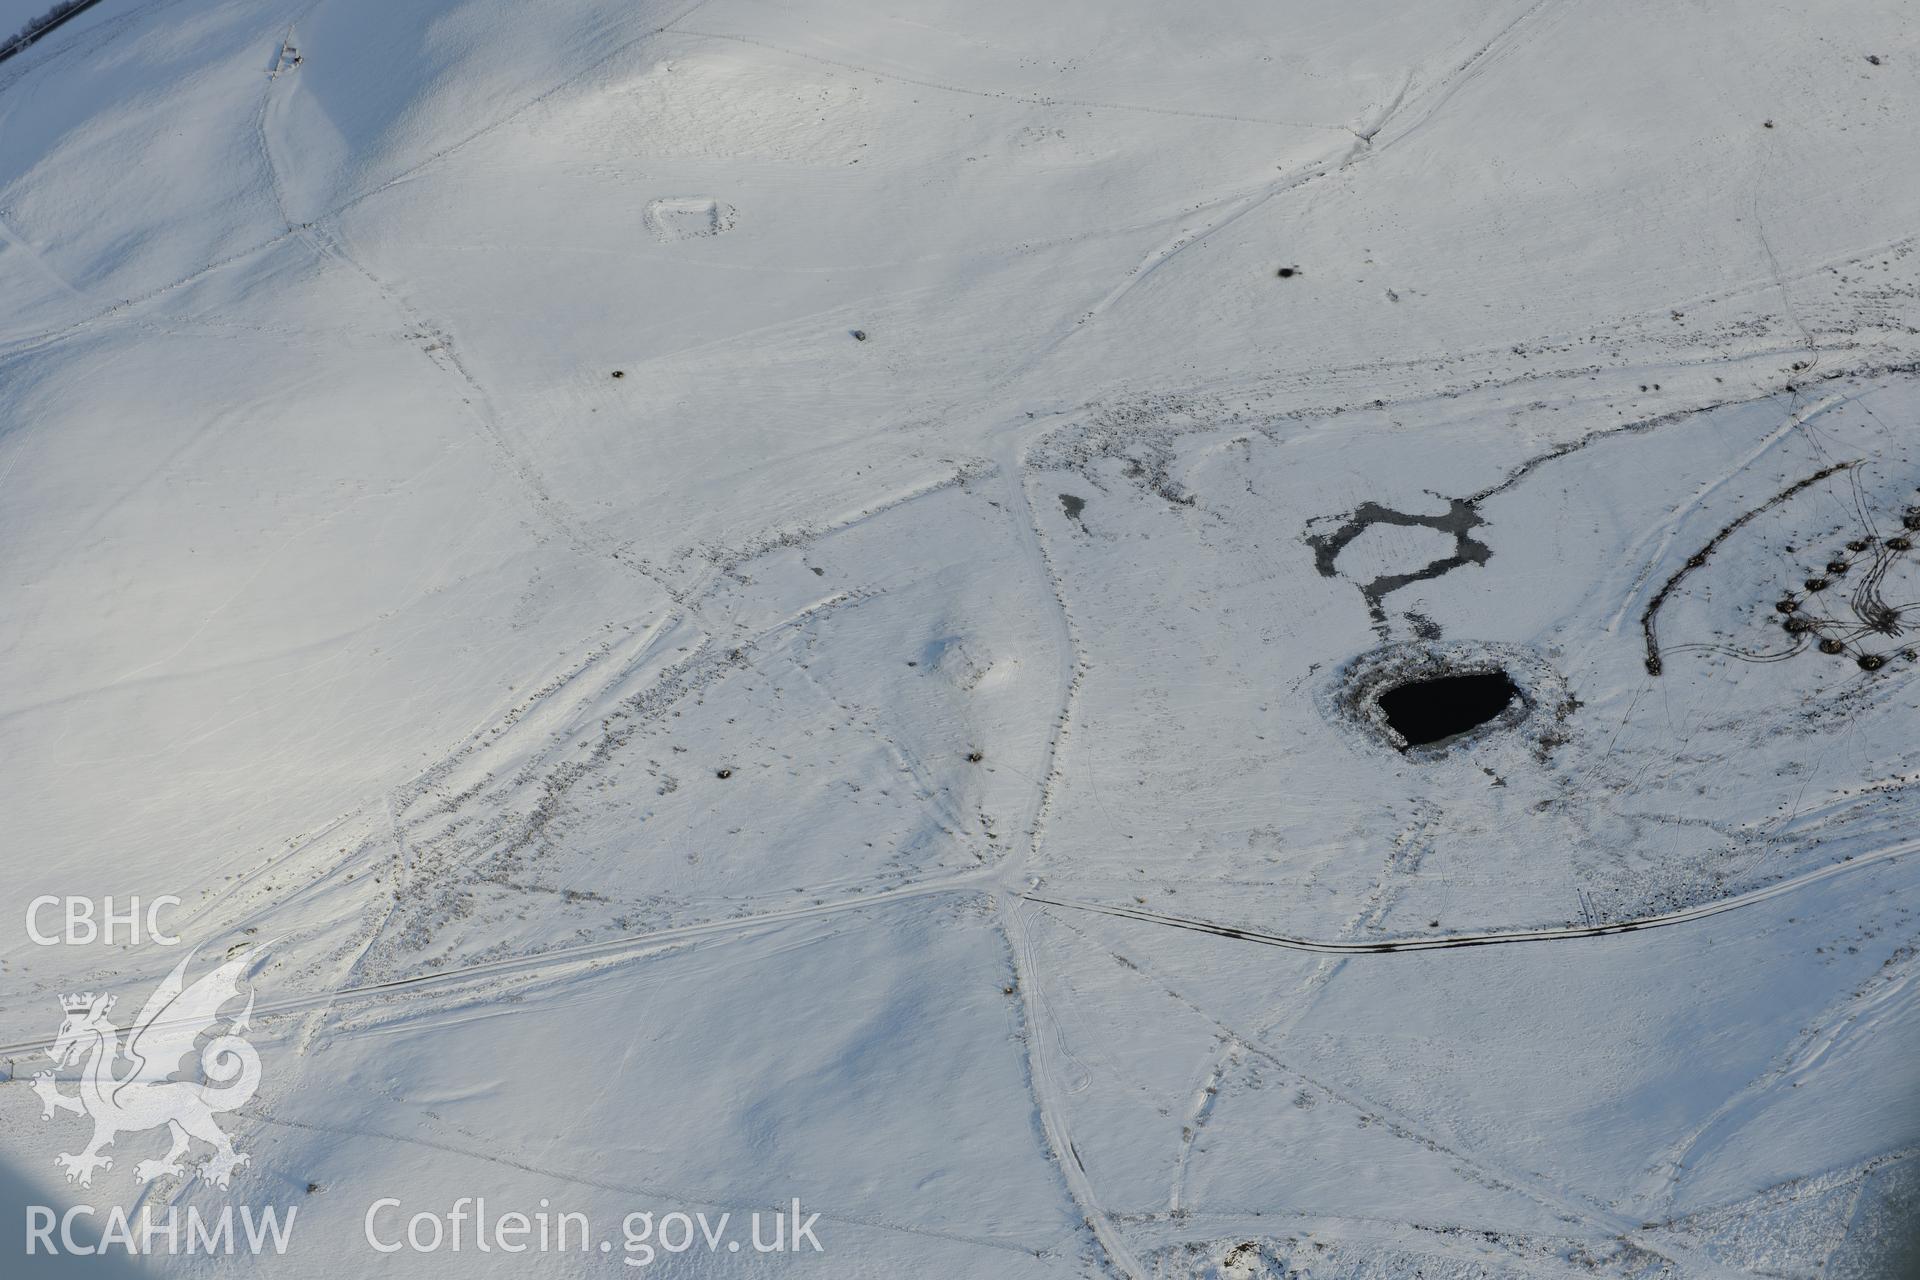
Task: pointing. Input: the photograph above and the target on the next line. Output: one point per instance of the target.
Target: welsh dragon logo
(147, 1095)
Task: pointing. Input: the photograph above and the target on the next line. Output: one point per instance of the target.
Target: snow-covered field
(727, 602)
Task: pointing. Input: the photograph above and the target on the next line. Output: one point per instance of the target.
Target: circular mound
(1425, 699)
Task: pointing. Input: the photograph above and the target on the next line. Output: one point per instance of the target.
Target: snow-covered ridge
(771, 601)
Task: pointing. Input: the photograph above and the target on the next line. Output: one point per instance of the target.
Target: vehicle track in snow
(1456, 941)
(1043, 1081)
(1569, 1204)
(539, 964)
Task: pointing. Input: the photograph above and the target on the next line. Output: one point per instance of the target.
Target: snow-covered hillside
(762, 602)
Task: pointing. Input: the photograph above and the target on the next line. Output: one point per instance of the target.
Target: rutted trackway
(541, 963)
(1454, 940)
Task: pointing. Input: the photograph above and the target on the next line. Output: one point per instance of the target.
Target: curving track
(1456, 940)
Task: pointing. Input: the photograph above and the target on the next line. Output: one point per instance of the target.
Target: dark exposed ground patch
(1433, 710)
(1459, 519)
(1424, 628)
(1649, 618)
(1142, 431)
(1463, 514)
(1846, 606)
(1534, 709)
